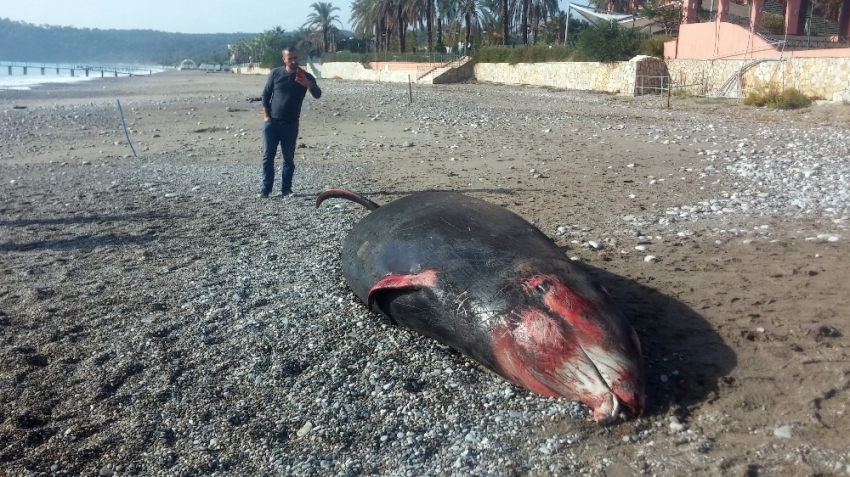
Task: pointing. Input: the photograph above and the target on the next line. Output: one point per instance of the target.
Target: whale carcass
(491, 285)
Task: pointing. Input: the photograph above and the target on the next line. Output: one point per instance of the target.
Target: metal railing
(819, 36)
(666, 89)
(645, 85)
(812, 42)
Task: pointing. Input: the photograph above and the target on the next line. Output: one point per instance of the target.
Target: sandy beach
(157, 318)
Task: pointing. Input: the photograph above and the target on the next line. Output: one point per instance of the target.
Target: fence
(666, 89)
(388, 56)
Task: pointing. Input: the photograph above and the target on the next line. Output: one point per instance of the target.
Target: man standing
(282, 98)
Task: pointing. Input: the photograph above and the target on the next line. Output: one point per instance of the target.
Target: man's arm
(314, 88)
(267, 96)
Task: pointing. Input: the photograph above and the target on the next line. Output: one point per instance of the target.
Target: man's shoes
(263, 195)
(286, 193)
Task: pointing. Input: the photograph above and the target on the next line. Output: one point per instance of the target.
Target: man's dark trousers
(285, 134)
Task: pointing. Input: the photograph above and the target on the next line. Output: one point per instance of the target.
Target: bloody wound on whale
(486, 282)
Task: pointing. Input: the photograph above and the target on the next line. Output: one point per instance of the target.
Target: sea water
(20, 81)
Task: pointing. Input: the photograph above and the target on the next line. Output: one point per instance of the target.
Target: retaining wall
(825, 77)
(617, 78)
(358, 72)
(607, 77)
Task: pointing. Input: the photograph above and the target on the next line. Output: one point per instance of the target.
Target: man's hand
(302, 80)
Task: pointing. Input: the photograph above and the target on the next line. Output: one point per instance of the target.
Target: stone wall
(358, 72)
(618, 78)
(607, 77)
(825, 77)
(651, 76)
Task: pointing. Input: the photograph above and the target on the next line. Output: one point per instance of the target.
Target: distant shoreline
(41, 73)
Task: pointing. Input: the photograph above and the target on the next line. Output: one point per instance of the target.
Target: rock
(305, 429)
(783, 432)
(677, 427)
(650, 258)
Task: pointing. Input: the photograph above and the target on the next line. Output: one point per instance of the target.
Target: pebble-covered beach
(158, 318)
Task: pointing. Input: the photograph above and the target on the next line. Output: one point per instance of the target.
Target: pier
(41, 68)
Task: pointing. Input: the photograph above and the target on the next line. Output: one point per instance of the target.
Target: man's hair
(291, 49)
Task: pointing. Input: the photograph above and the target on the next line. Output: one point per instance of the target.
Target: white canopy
(593, 15)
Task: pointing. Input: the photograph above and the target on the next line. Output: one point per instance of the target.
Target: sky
(181, 16)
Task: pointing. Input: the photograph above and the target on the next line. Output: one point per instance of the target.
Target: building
(725, 30)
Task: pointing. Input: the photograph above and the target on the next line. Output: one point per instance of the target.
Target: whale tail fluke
(345, 194)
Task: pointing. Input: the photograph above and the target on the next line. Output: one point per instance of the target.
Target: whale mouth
(599, 380)
(619, 375)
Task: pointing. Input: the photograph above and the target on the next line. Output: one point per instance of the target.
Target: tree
(447, 12)
(523, 21)
(505, 22)
(310, 41)
(429, 15)
(471, 15)
(323, 19)
(607, 42)
(668, 15)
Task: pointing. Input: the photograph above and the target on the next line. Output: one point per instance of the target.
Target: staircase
(453, 71)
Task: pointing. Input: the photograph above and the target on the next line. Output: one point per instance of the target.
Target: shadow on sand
(88, 219)
(392, 195)
(83, 242)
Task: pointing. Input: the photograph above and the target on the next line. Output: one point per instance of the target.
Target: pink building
(725, 39)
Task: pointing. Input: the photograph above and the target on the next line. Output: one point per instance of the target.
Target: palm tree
(401, 21)
(429, 15)
(364, 19)
(421, 13)
(309, 41)
(524, 21)
(469, 12)
(323, 19)
(542, 11)
(505, 22)
(491, 23)
(376, 19)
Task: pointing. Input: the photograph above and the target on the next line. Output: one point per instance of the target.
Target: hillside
(21, 41)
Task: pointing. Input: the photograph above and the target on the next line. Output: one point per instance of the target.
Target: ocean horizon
(34, 77)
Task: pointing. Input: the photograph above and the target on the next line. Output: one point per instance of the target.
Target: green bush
(654, 46)
(772, 97)
(522, 54)
(608, 42)
(773, 23)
